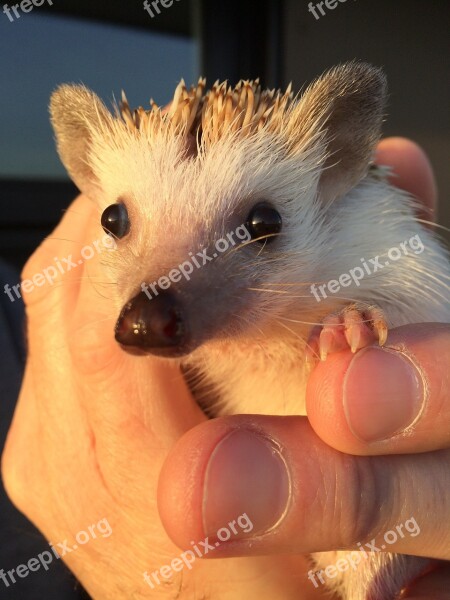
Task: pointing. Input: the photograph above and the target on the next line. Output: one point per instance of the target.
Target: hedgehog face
(172, 182)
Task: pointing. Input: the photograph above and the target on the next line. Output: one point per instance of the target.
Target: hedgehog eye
(264, 220)
(115, 220)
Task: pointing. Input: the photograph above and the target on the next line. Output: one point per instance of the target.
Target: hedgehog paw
(355, 326)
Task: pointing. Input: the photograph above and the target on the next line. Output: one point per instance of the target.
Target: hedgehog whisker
(290, 296)
(300, 338)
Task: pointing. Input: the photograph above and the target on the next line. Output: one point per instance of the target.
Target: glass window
(40, 51)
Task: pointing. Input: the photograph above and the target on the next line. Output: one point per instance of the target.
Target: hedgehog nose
(153, 326)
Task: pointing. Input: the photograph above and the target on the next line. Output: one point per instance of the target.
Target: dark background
(115, 44)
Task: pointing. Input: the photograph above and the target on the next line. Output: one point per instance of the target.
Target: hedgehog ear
(342, 111)
(76, 114)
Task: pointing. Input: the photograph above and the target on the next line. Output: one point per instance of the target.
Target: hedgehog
(287, 184)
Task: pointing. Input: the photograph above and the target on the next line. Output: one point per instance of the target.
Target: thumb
(254, 485)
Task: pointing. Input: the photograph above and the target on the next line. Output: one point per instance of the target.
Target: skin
(100, 434)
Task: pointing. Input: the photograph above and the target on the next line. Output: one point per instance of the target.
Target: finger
(60, 265)
(298, 494)
(412, 171)
(55, 273)
(51, 275)
(49, 290)
(385, 400)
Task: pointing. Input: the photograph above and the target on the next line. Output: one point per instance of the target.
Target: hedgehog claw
(354, 327)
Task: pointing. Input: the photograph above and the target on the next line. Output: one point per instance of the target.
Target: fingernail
(383, 394)
(246, 474)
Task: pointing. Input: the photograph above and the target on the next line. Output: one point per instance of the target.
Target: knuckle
(90, 353)
(368, 501)
(14, 477)
(36, 262)
(35, 280)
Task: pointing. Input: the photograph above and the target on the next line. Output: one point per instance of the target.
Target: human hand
(338, 500)
(92, 428)
(115, 408)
